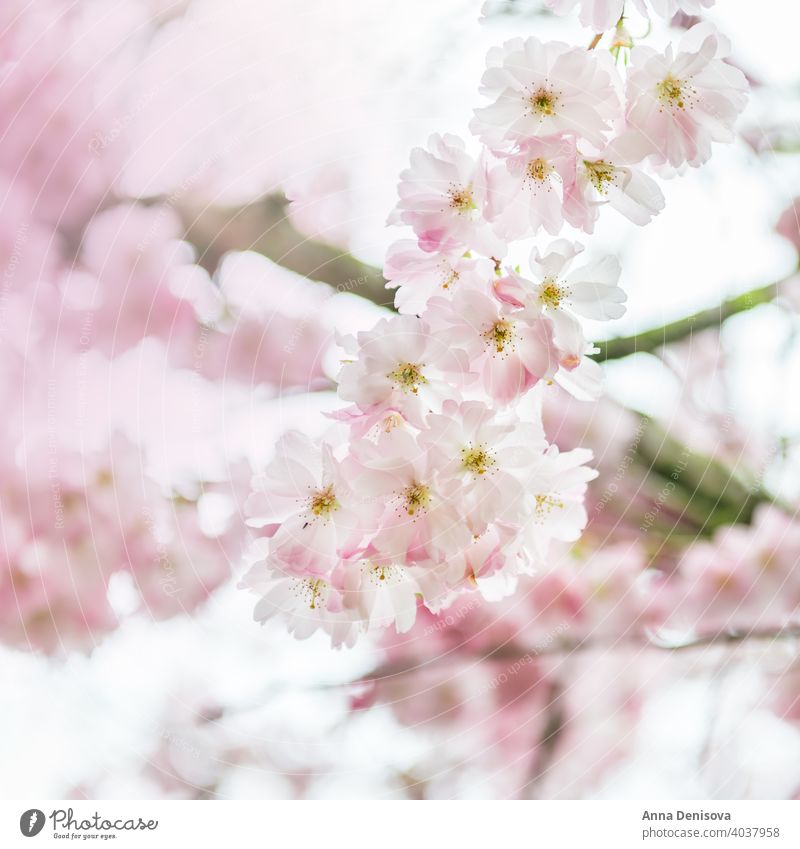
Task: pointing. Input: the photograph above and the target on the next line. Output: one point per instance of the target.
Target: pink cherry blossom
(544, 89)
(75, 521)
(306, 604)
(601, 180)
(744, 577)
(308, 508)
(556, 498)
(602, 15)
(419, 275)
(527, 192)
(563, 294)
(422, 518)
(441, 454)
(510, 347)
(382, 594)
(491, 455)
(401, 364)
(122, 290)
(443, 195)
(681, 101)
(260, 323)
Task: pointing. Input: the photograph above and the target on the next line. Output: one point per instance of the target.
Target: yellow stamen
(450, 278)
(539, 170)
(461, 199)
(477, 460)
(552, 294)
(408, 377)
(672, 92)
(500, 334)
(544, 504)
(313, 591)
(417, 497)
(323, 501)
(543, 102)
(600, 174)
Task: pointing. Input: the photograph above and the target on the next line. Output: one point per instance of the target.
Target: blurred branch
(712, 493)
(512, 652)
(546, 746)
(265, 227)
(675, 331)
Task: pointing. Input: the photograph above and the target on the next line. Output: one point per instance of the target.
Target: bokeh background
(193, 199)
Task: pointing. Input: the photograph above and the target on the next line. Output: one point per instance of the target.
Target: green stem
(650, 340)
(265, 227)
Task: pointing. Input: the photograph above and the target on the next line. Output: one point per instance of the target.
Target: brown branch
(650, 340)
(265, 227)
(553, 731)
(512, 652)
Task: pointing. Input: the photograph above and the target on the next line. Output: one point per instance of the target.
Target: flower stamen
(538, 169)
(313, 592)
(323, 501)
(543, 102)
(544, 504)
(417, 496)
(551, 294)
(500, 334)
(477, 459)
(408, 377)
(672, 92)
(461, 199)
(601, 174)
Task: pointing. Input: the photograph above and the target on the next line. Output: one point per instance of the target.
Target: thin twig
(512, 652)
(265, 227)
(650, 340)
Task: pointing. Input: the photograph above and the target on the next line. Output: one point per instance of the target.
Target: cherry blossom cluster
(110, 337)
(601, 15)
(437, 478)
(77, 523)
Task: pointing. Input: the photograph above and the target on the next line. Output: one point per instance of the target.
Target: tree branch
(545, 750)
(509, 652)
(650, 340)
(265, 227)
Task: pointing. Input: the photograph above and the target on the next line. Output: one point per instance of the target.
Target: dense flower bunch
(602, 14)
(438, 477)
(104, 319)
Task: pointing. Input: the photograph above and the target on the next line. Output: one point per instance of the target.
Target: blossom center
(600, 174)
(477, 459)
(539, 169)
(544, 504)
(552, 294)
(408, 376)
(500, 334)
(543, 102)
(323, 501)
(383, 575)
(672, 92)
(390, 422)
(461, 199)
(450, 278)
(417, 496)
(313, 592)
